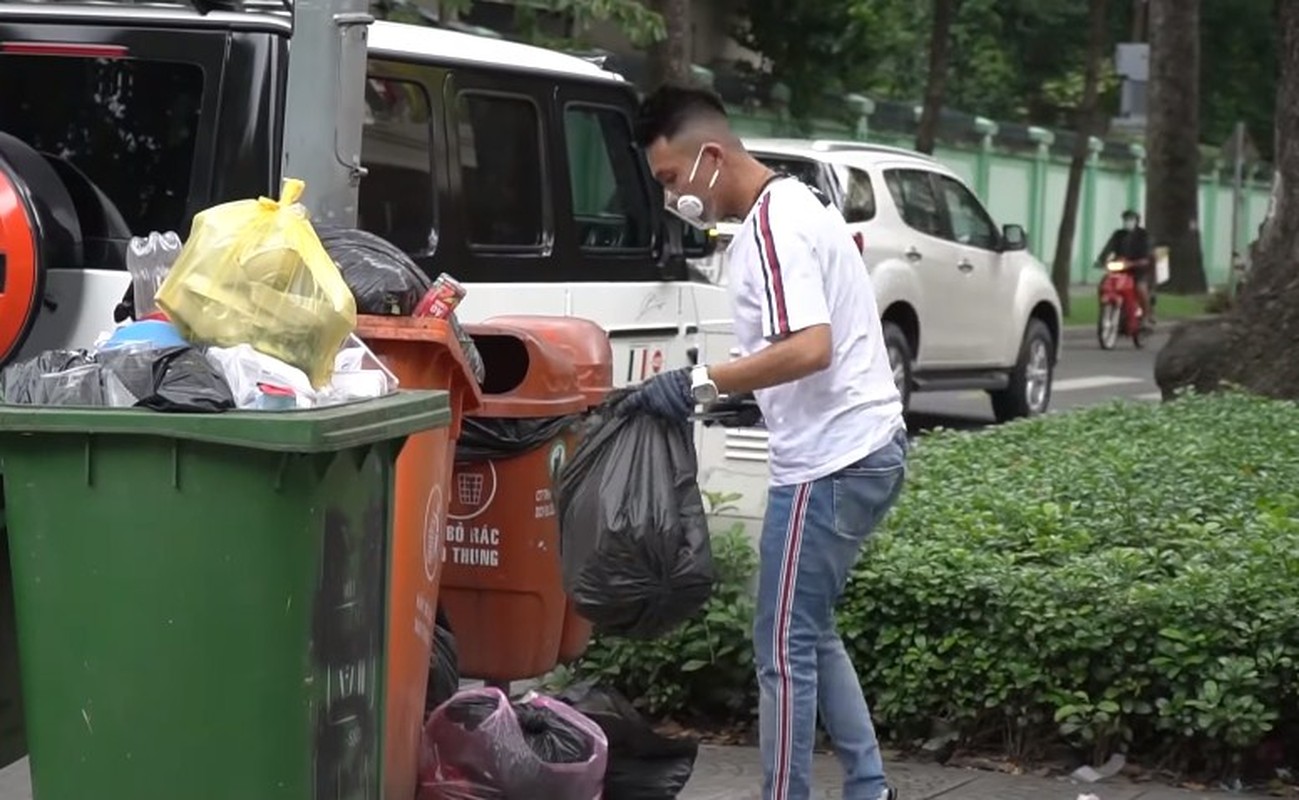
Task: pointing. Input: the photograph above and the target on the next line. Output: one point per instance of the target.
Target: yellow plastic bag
(254, 272)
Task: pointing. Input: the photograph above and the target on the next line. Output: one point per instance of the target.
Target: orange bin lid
(584, 342)
(527, 377)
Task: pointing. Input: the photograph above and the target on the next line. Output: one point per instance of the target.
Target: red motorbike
(1120, 305)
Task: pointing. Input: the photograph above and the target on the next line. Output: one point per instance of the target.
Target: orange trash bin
(587, 346)
(502, 587)
(424, 354)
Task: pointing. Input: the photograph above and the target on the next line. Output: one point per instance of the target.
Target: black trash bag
(470, 348)
(383, 279)
(551, 738)
(21, 378)
(634, 541)
(643, 764)
(444, 665)
(489, 439)
(166, 379)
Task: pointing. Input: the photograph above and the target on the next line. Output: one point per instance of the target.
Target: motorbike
(1120, 305)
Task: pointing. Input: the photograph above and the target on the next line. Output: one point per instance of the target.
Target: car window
(859, 205)
(610, 202)
(501, 170)
(129, 126)
(970, 223)
(397, 193)
(913, 192)
(809, 172)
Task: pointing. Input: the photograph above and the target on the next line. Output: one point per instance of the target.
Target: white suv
(964, 304)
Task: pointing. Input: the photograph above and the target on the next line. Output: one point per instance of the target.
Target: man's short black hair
(669, 108)
(1130, 214)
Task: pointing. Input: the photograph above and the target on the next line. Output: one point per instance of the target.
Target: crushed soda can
(440, 300)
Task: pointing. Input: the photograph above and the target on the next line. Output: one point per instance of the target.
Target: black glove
(667, 395)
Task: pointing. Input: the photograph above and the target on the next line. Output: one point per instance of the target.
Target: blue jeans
(811, 537)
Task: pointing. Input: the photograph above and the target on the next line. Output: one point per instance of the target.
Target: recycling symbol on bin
(558, 455)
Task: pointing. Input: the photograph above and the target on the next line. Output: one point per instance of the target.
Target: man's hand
(666, 395)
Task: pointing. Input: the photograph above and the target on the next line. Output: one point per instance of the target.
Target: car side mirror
(1014, 237)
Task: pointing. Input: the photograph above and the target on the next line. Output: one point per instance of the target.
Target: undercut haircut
(671, 108)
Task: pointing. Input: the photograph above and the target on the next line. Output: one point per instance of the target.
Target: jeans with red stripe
(812, 536)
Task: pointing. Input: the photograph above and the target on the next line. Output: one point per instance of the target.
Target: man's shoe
(890, 794)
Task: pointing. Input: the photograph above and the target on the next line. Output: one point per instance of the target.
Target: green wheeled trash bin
(201, 598)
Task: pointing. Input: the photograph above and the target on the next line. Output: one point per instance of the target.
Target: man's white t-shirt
(793, 265)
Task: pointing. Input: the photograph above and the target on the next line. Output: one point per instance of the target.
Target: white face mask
(1130, 224)
(690, 207)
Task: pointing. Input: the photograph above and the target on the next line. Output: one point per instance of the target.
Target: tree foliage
(1012, 60)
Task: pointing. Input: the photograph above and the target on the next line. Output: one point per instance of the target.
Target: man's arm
(796, 356)
(795, 312)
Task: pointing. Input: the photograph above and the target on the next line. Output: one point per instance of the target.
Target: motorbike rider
(1131, 243)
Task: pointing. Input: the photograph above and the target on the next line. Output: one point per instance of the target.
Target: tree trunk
(669, 60)
(1253, 346)
(1085, 124)
(1172, 140)
(1266, 319)
(936, 84)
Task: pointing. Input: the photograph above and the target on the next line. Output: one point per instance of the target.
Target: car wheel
(900, 360)
(1029, 392)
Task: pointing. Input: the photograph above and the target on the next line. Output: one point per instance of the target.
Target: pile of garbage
(589, 743)
(256, 310)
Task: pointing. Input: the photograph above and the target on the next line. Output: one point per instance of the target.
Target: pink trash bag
(479, 746)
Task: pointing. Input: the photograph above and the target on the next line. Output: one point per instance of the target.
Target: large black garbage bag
(383, 278)
(634, 537)
(166, 379)
(643, 764)
(160, 379)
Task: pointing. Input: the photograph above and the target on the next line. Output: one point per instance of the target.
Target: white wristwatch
(702, 386)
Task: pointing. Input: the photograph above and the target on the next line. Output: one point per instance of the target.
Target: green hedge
(1119, 578)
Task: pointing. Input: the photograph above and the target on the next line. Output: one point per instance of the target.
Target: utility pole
(1237, 182)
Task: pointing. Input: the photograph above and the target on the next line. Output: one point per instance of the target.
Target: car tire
(40, 223)
(1029, 392)
(901, 360)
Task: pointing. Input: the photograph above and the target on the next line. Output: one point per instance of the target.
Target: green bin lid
(306, 431)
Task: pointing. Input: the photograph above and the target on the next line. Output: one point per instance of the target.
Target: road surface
(1085, 376)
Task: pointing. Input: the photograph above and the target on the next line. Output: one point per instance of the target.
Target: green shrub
(1118, 578)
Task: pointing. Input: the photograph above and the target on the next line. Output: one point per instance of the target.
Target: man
(1132, 243)
(813, 354)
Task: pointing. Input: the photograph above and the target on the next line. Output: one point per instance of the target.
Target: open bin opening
(506, 361)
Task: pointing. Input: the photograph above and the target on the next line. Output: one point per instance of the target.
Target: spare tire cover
(22, 281)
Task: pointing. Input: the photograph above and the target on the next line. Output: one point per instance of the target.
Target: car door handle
(913, 254)
(965, 266)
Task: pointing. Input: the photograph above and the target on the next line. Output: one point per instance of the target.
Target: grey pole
(325, 105)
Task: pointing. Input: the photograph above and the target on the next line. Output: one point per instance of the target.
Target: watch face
(706, 393)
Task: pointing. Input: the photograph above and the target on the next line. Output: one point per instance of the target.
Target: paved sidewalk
(734, 773)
